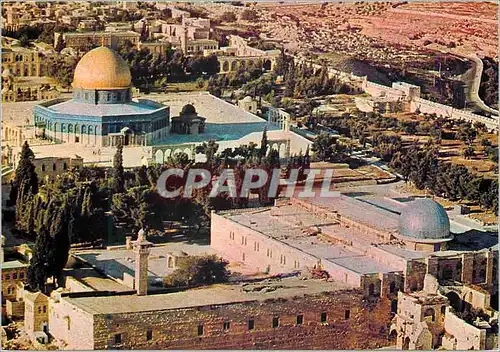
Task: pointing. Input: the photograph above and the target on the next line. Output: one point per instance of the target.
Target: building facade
(86, 40)
(13, 272)
(23, 62)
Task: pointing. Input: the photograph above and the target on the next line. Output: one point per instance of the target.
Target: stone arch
(406, 343)
(234, 65)
(225, 66)
(282, 150)
(84, 129)
(77, 128)
(393, 335)
(11, 290)
(168, 153)
(242, 64)
(70, 128)
(159, 156)
(188, 152)
(275, 147)
(392, 287)
(90, 129)
(267, 65)
(177, 151)
(371, 289)
(250, 64)
(430, 315)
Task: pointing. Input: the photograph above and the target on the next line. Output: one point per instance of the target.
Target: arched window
(54, 167)
(43, 167)
(371, 289)
(429, 315)
(65, 166)
(392, 287)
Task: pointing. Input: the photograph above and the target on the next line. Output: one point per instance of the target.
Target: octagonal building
(102, 111)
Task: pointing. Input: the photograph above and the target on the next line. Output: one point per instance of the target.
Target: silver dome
(424, 219)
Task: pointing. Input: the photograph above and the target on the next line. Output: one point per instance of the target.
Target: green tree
(26, 186)
(263, 145)
(118, 185)
(327, 148)
(39, 267)
(60, 45)
(199, 270)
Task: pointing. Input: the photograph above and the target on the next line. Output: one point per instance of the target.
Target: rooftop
(115, 263)
(294, 225)
(212, 295)
(224, 121)
(14, 264)
(136, 107)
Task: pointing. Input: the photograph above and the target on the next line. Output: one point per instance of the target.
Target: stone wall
(239, 243)
(350, 322)
(71, 326)
(460, 335)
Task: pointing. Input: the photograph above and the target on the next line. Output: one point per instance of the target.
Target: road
(473, 80)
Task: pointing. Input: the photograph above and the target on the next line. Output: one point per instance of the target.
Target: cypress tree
(25, 170)
(118, 185)
(39, 267)
(263, 145)
(59, 234)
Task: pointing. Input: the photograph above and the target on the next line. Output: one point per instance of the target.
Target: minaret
(184, 40)
(141, 250)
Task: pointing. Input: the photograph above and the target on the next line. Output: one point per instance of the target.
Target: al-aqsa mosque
(102, 110)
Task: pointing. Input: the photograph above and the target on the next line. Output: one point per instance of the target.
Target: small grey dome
(424, 219)
(188, 109)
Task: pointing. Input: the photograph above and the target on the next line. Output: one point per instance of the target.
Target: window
(300, 319)
(7, 277)
(429, 315)
(323, 317)
(149, 335)
(251, 324)
(243, 256)
(54, 167)
(200, 330)
(118, 338)
(14, 276)
(77, 139)
(65, 166)
(392, 287)
(39, 310)
(226, 325)
(44, 309)
(21, 276)
(270, 253)
(347, 314)
(276, 322)
(43, 167)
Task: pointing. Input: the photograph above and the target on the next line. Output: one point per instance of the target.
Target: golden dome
(102, 68)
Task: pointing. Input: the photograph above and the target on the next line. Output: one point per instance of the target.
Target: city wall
(351, 323)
